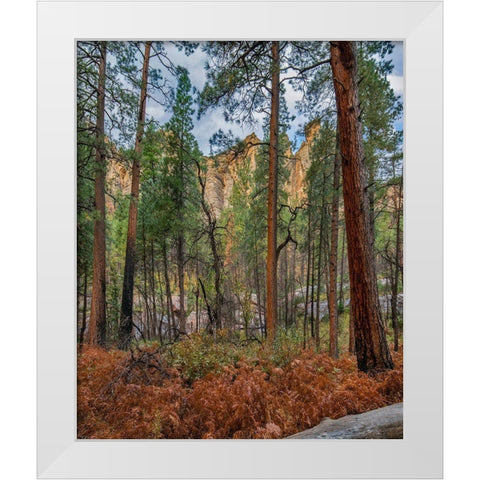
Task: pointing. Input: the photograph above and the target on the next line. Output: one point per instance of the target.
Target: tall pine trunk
(370, 340)
(258, 289)
(153, 289)
(271, 312)
(309, 256)
(98, 314)
(398, 246)
(319, 280)
(126, 315)
(332, 294)
(181, 281)
(168, 292)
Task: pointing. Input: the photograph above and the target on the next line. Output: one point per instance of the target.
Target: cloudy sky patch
(213, 120)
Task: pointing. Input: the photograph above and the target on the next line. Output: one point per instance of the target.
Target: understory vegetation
(201, 388)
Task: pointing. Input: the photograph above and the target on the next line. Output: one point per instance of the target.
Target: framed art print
(240, 239)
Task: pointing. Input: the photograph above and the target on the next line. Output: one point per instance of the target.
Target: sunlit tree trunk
(370, 340)
(98, 315)
(271, 312)
(126, 315)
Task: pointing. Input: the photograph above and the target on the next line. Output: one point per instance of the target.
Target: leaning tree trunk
(98, 315)
(370, 340)
(126, 315)
(271, 312)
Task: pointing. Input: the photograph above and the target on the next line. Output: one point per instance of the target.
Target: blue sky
(213, 120)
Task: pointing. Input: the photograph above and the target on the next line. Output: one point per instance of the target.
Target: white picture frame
(419, 25)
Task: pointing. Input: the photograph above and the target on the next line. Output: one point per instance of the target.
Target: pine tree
(98, 320)
(179, 172)
(126, 317)
(370, 340)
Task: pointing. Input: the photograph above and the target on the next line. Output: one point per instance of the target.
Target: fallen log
(386, 422)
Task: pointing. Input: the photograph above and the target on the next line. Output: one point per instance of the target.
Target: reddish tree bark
(98, 316)
(370, 340)
(126, 316)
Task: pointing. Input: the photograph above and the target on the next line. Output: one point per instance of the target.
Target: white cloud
(396, 82)
(213, 119)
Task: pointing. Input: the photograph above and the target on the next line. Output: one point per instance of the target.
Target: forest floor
(200, 388)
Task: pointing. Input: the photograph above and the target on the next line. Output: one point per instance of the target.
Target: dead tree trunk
(211, 228)
(386, 422)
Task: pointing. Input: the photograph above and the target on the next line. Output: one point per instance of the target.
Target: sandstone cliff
(223, 171)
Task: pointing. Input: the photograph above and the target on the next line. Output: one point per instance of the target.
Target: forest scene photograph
(239, 239)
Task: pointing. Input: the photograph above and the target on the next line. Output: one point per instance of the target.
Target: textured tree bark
(98, 315)
(271, 312)
(126, 315)
(333, 261)
(370, 340)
